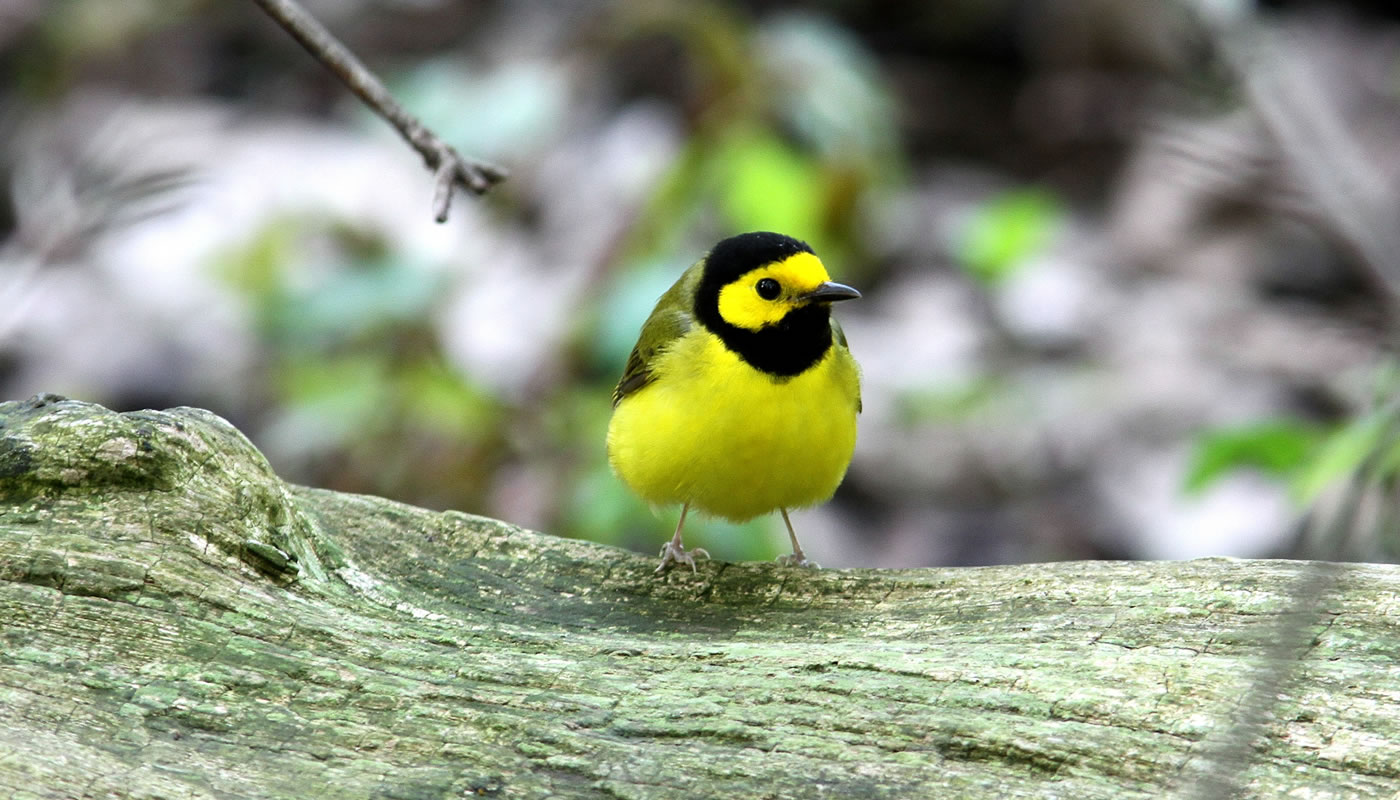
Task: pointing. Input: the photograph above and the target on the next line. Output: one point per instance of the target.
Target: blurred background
(1127, 264)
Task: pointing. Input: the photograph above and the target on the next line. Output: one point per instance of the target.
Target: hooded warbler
(740, 396)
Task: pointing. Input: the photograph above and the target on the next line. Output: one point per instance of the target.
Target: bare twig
(449, 168)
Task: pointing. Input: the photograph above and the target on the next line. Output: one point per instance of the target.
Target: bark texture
(177, 622)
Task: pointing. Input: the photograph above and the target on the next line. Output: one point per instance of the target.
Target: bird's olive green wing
(839, 336)
(669, 320)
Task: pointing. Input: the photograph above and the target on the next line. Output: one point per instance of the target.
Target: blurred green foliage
(356, 372)
(798, 126)
(1350, 487)
(1277, 448)
(355, 377)
(1356, 457)
(776, 149)
(767, 184)
(1368, 445)
(1006, 231)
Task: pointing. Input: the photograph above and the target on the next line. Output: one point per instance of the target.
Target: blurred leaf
(332, 401)
(798, 124)
(1006, 231)
(1277, 448)
(1340, 456)
(1387, 463)
(443, 401)
(602, 508)
(305, 298)
(771, 186)
(258, 267)
(1387, 398)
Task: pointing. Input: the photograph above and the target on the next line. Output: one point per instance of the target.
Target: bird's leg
(674, 553)
(796, 558)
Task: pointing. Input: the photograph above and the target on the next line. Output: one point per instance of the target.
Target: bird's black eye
(768, 289)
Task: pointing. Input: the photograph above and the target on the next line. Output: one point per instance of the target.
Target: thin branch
(449, 168)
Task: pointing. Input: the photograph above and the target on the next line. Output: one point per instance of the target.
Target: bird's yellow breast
(732, 441)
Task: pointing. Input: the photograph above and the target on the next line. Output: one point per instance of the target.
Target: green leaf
(1277, 448)
(771, 186)
(326, 403)
(258, 266)
(1006, 231)
(1340, 456)
(443, 399)
(1387, 464)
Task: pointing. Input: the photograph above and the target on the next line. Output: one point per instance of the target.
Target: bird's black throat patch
(789, 348)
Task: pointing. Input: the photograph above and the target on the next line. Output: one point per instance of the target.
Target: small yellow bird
(741, 395)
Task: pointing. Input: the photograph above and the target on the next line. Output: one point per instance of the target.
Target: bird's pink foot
(673, 553)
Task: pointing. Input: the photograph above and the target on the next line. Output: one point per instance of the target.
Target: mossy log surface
(177, 622)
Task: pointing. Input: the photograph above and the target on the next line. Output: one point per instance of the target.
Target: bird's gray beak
(830, 292)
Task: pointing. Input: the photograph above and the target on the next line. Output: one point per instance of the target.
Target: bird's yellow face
(761, 298)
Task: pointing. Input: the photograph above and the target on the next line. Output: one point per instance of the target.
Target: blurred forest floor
(1126, 263)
